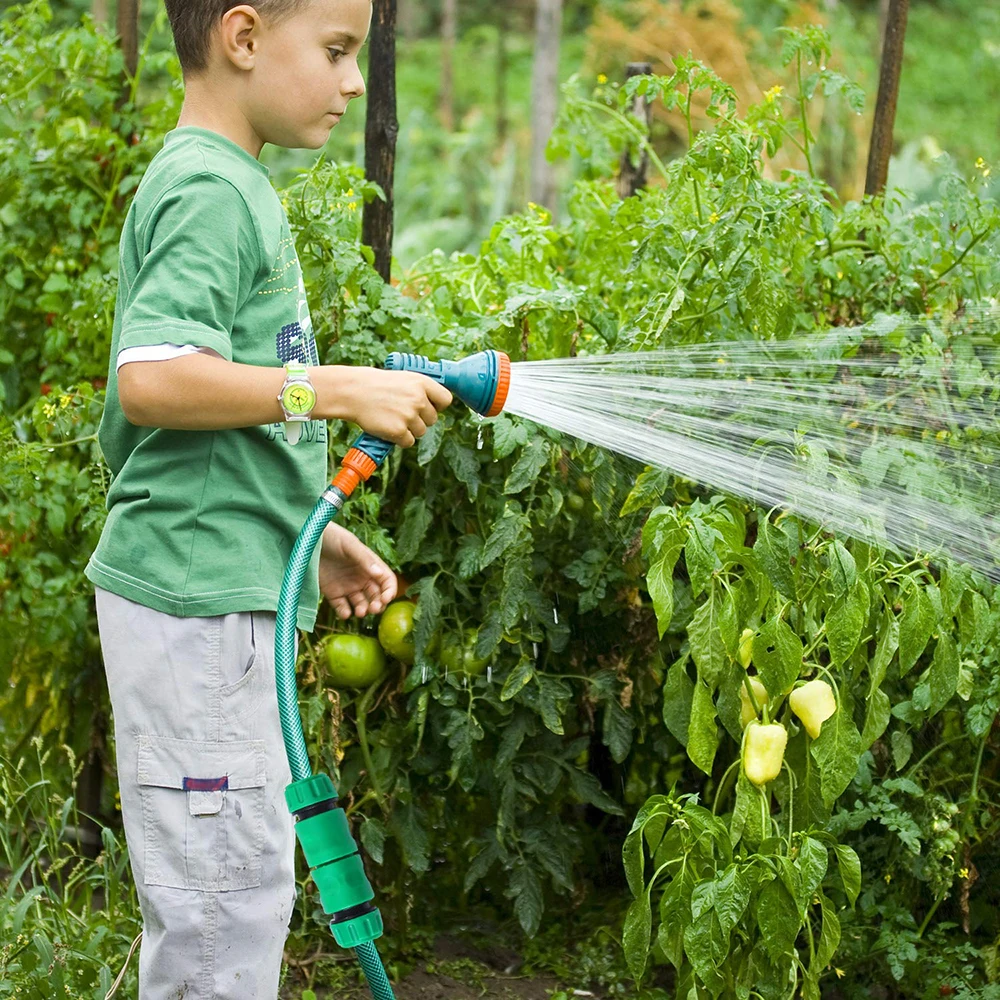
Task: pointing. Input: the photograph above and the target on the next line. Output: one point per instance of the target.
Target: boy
(213, 477)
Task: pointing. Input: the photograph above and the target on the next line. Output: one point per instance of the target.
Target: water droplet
(555, 616)
(423, 675)
(479, 439)
(534, 649)
(489, 673)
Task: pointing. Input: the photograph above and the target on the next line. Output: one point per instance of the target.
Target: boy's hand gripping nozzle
(481, 381)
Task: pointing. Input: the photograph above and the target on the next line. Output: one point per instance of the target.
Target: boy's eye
(335, 54)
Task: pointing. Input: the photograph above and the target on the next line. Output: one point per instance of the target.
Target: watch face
(299, 399)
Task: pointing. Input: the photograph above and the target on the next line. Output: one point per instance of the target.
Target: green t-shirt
(202, 522)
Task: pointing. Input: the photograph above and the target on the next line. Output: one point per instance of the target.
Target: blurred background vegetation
(452, 183)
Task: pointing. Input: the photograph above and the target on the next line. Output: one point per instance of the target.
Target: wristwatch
(297, 398)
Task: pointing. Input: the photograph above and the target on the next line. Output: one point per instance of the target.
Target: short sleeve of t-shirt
(191, 284)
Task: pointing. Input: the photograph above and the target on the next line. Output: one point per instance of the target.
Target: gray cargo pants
(202, 773)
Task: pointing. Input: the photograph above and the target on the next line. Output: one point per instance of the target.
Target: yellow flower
(963, 872)
(770, 95)
(888, 877)
(840, 972)
(601, 78)
(982, 167)
(713, 217)
(350, 192)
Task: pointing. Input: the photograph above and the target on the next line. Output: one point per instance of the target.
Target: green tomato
(462, 659)
(395, 631)
(354, 661)
(575, 502)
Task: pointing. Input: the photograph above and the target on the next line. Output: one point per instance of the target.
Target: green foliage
(66, 921)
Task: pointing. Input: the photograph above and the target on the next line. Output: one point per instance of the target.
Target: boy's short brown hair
(192, 22)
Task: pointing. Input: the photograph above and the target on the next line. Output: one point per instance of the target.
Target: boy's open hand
(351, 577)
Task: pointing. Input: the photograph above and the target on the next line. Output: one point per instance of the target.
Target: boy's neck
(217, 113)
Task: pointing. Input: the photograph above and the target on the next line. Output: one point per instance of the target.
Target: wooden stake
(632, 175)
(381, 130)
(128, 33)
(880, 148)
(544, 99)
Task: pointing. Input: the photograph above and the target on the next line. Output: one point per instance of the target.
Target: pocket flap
(167, 762)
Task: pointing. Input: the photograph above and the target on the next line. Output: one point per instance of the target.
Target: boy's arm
(202, 392)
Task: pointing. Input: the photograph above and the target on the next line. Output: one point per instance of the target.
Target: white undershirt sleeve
(160, 352)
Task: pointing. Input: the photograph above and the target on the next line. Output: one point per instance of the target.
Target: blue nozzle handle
(473, 379)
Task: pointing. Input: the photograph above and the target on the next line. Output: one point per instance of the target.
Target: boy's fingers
(342, 608)
(438, 395)
(387, 581)
(360, 603)
(428, 414)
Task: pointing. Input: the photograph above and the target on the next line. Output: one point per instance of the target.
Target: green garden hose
(321, 825)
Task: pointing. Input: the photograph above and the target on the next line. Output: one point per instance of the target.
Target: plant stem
(365, 750)
(930, 913)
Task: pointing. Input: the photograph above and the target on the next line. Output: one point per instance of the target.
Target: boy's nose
(354, 86)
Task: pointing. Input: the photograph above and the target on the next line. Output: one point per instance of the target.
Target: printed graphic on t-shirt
(295, 341)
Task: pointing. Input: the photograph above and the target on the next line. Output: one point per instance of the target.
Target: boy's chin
(315, 138)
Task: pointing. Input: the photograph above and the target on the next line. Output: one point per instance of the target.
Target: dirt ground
(457, 971)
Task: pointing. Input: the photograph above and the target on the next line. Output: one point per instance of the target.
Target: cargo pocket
(202, 812)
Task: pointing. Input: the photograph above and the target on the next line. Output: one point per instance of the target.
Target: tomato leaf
(617, 729)
(527, 467)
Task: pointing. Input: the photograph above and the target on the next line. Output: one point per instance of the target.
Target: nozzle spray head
(481, 380)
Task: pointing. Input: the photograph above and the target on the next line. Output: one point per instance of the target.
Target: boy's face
(306, 71)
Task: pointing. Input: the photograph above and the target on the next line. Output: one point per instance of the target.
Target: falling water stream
(887, 432)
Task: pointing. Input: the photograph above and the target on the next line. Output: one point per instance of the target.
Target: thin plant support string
(889, 432)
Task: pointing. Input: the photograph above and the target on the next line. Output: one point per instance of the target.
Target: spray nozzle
(481, 380)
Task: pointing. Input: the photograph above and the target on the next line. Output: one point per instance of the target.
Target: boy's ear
(239, 35)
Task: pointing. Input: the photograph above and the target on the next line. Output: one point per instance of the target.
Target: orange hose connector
(356, 467)
(503, 385)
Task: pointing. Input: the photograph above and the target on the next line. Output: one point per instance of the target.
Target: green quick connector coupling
(332, 855)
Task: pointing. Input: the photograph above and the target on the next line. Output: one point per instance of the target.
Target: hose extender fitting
(332, 855)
